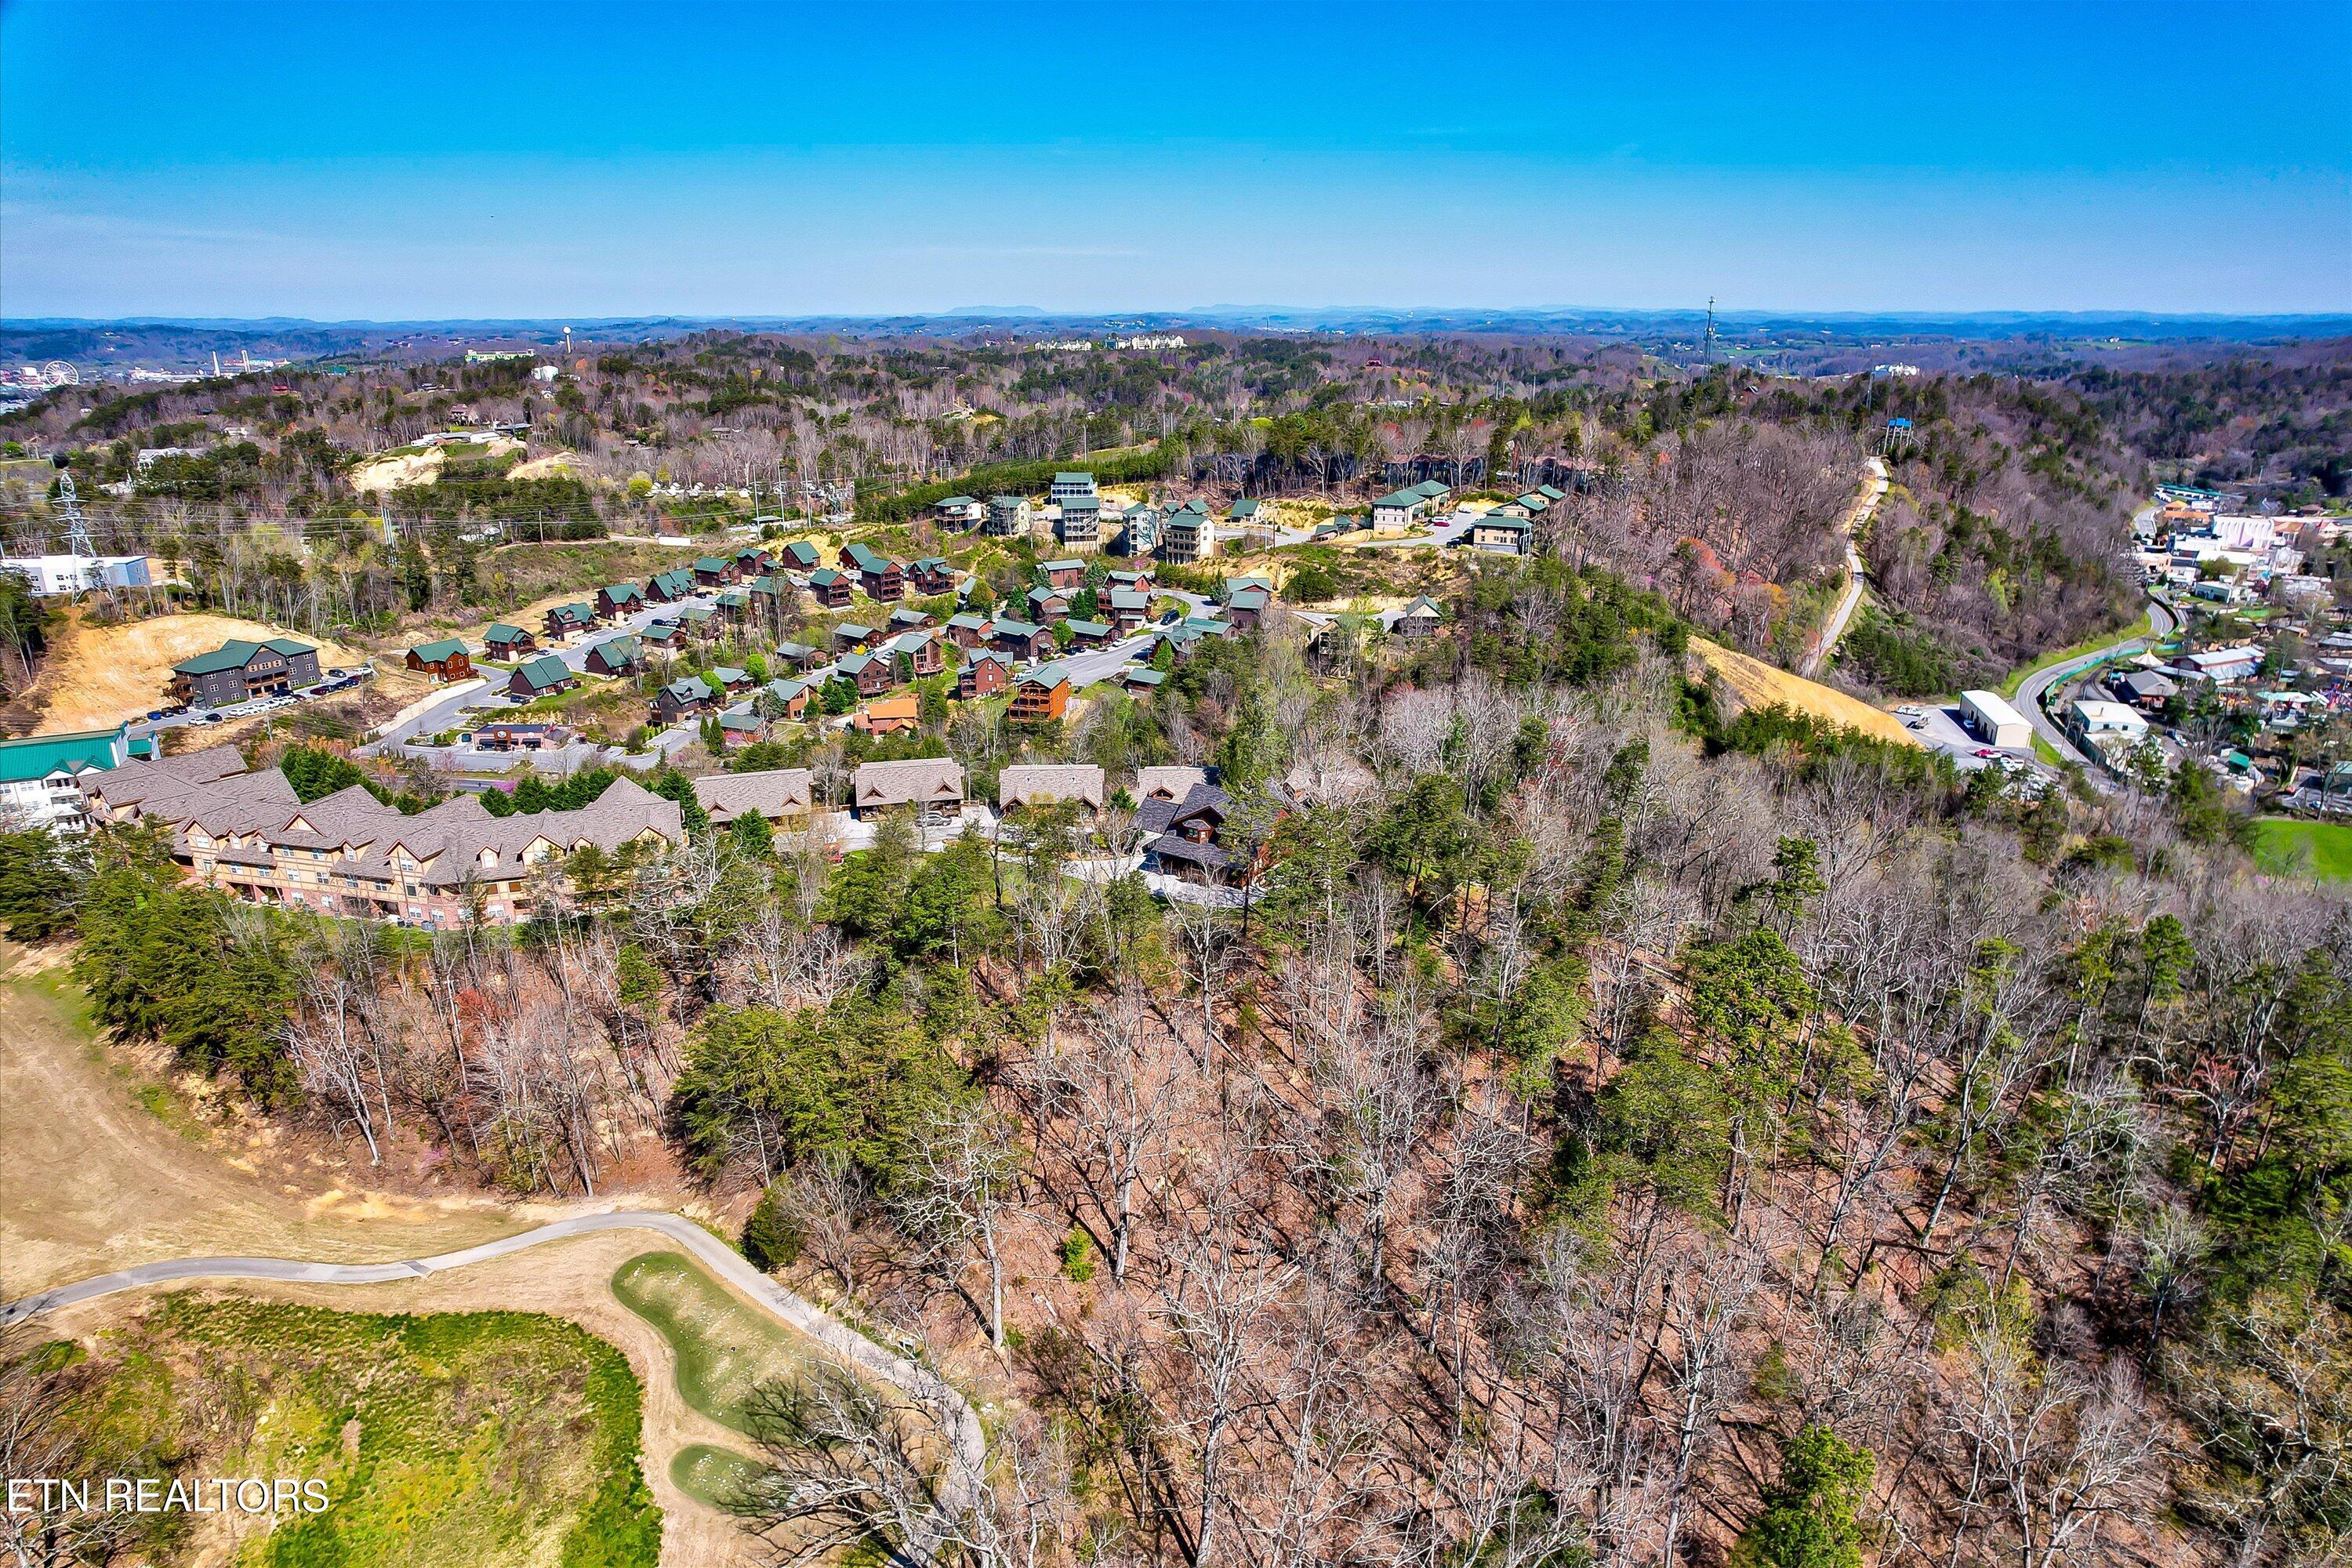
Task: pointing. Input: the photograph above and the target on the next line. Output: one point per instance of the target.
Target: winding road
(916, 1381)
(1865, 506)
(2163, 621)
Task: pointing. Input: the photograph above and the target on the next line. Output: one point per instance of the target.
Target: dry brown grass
(1760, 685)
(96, 676)
(109, 1164)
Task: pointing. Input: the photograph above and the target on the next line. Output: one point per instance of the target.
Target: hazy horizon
(345, 164)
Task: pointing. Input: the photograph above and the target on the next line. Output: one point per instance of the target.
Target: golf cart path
(910, 1379)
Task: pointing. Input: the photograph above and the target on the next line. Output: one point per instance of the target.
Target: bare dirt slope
(95, 676)
(1760, 685)
(391, 470)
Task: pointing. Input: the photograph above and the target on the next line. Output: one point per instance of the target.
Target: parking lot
(1940, 727)
(337, 681)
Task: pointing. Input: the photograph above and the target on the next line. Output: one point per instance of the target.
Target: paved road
(2163, 621)
(1865, 506)
(441, 715)
(917, 1381)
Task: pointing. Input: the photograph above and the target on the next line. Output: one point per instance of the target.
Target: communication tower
(78, 543)
(1707, 344)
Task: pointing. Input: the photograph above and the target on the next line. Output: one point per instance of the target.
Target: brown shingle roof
(1032, 783)
(772, 793)
(928, 781)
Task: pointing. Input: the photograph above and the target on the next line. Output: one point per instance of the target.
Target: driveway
(1857, 517)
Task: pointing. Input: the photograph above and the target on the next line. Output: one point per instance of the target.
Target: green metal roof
(622, 647)
(545, 670)
(38, 756)
(438, 652)
(236, 653)
(501, 632)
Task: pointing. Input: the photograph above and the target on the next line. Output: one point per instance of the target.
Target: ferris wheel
(57, 372)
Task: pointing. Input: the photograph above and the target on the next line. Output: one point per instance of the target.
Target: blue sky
(342, 160)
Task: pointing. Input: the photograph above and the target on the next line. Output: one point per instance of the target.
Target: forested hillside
(1721, 488)
(1611, 1130)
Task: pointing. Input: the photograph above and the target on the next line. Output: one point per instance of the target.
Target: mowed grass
(715, 1477)
(722, 1347)
(2018, 678)
(2321, 849)
(484, 1439)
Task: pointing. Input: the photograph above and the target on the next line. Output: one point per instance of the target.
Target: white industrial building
(1991, 719)
(55, 574)
(2089, 716)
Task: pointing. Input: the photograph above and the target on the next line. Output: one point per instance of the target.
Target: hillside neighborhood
(1511, 858)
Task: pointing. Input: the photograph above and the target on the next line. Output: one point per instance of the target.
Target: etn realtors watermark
(159, 1494)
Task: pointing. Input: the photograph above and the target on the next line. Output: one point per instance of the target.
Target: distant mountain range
(188, 344)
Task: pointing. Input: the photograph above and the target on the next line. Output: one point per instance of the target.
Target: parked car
(1987, 752)
(337, 670)
(153, 714)
(213, 718)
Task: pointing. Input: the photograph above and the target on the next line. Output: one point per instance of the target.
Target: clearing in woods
(2321, 849)
(95, 676)
(1760, 685)
(107, 1167)
(496, 1439)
